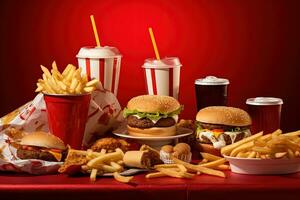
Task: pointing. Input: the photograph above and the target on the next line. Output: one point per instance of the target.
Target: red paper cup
(102, 63)
(265, 113)
(163, 76)
(67, 116)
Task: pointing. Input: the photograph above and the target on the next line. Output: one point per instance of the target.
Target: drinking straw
(154, 43)
(95, 31)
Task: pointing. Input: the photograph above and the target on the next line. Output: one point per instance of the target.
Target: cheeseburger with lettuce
(218, 126)
(152, 115)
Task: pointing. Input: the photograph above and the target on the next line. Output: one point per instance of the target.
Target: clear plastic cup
(67, 117)
(211, 91)
(102, 63)
(163, 76)
(265, 113)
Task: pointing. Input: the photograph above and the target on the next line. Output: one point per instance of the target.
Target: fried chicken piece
(14, 133)
(186, 124)
(110, 144)
(189, 124)
(72, 165)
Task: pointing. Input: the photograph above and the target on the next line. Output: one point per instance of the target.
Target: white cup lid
(98, 52)
(264, 101)
(212, 80)
(167, 62)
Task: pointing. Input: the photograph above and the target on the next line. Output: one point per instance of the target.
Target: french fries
(98, 163)
(172, 170)
(275, 145)
(155, 175)
(174, 173)
(69, 82)
(295, 133)
(104, 159)
(122, 179)
(222, 167)
(213, 161)
(198, 168)
(209, 157)
(229, 148)
(93, 175)
(214, 164)
(183, 169)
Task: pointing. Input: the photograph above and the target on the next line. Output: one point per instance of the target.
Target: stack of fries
(99, 163)
(69, 82)
(271, 146)
(211, 166)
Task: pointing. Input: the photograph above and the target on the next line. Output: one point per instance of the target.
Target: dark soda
(211, 91)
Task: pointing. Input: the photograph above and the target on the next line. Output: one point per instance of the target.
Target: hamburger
(152, 115)
(43, 146)
(218, 126)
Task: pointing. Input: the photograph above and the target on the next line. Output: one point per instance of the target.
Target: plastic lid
(168, 62)
(263, 101)
(98, 52)
(212, 80)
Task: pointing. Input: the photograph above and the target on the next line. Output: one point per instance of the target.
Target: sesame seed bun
(42, 139)
(223, 115)
(153, 104)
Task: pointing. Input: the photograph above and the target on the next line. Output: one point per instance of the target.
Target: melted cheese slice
(217, 134)
(217, 138)
(56, 155)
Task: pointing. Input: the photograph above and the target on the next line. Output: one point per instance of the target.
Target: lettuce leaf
(198, 127)
(151, 116)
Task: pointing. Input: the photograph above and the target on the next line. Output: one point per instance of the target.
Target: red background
(254, 43)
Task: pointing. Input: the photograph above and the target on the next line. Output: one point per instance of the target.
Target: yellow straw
(95, 31)
(154, 44)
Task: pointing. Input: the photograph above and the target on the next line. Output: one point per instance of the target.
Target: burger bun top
(224, 115)
(153, 104)
(43, 139)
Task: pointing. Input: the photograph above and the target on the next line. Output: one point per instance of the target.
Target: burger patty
(34, 154)
(133, 121)
(220, 126)
(238, 137)
(227, 139)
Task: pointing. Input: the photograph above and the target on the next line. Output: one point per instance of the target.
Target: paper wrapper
(104, 114)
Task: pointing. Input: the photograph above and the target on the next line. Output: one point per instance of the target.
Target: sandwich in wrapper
(145, 158)
(152, 115)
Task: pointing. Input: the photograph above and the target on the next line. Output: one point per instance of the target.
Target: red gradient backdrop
(254, 43)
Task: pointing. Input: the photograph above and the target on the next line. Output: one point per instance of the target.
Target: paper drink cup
(211, 91)
(163, 76)
(102, 63)
(265, 113)
(67, 117)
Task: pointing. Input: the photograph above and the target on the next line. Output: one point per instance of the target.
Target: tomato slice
(30, 148)
(218, 130)
(56, 150)
(24, 147)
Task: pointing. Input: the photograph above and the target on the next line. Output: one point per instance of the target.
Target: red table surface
(235, 186)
